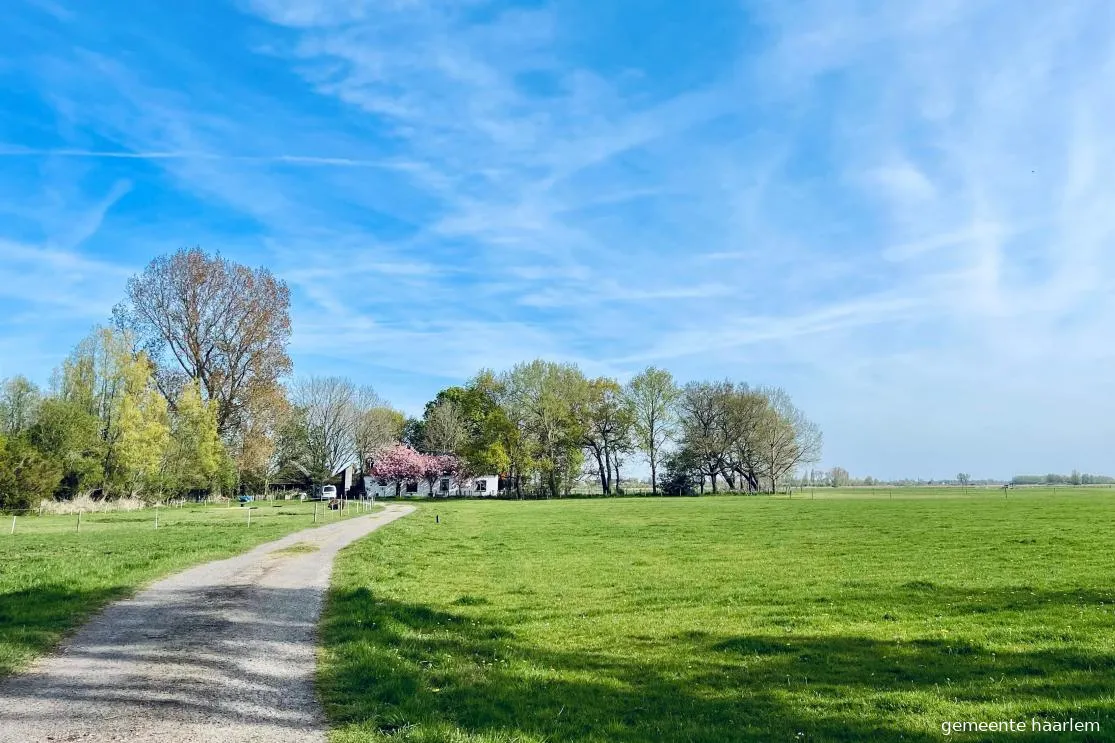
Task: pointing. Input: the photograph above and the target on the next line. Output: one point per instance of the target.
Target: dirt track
(221, 652)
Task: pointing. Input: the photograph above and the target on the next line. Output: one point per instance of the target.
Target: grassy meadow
(873, 616)
(53, 576)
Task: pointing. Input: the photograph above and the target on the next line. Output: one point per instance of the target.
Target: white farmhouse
(482, 486)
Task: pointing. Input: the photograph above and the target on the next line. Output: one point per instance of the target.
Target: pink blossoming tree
(435, 466)
(398, 464)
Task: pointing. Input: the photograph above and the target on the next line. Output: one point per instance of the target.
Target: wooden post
(13, 523)
(79, 521)
(249, 515)
(315, 513)
(156, 516)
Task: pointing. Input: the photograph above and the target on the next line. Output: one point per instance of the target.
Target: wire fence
(183, 516)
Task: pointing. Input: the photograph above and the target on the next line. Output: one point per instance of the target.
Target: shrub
(26, 476)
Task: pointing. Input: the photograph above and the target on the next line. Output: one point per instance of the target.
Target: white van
(327, 492)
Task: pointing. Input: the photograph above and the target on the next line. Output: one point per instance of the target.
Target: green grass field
(52, 576)
(735, 618)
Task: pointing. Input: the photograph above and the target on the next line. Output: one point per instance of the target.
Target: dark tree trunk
(600, 469)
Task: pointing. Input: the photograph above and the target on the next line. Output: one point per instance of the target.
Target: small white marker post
(13, 523)
(315, 513)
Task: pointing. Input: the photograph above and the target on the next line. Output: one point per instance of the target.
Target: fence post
(156, 516)
(79, 521)
(13, 523)
(249, 515)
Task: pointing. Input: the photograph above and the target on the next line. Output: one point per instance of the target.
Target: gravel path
(221, 652)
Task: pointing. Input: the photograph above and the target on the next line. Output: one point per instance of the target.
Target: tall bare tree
(19, 402)
(787, 438)
(702, 408)
(746, 413)
(606, 428)
(377, 427)
(445, 430)
(208, 318)
(651, 396)
(323, 427)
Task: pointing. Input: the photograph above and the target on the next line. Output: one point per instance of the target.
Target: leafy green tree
(414, 433)
(105, 377)
(651, 398)
(70, 435)
(492, 444)
(195, 458)
(26, 476)
(144, 430)
(683, 472)
(541, 400)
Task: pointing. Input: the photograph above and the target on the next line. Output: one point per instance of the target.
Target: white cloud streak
(867, 200)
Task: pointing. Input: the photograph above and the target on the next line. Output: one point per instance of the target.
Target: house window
(412, 487)
(481, 485)
(445, 484)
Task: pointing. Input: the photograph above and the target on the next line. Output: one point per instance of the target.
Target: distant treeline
(1076, 478)
(839, 477)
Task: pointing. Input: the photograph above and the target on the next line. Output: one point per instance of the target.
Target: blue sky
(900, 212)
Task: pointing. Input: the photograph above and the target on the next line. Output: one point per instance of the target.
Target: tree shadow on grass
(401, 671)
(33, 620)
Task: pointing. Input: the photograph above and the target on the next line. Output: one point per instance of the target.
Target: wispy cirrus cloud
(886, 208)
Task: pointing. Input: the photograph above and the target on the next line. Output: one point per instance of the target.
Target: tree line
(546, 426)
(175, 395)
(1074, 478)
(187, 390)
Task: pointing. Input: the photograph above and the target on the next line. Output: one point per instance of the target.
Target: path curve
(221, 652)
